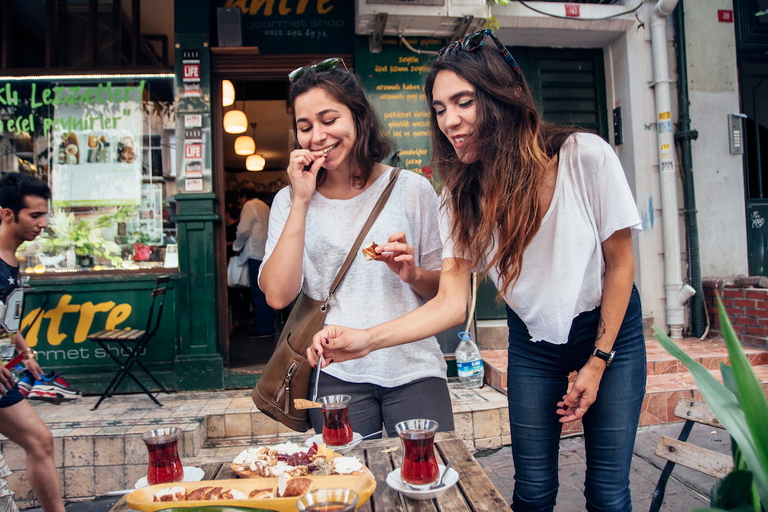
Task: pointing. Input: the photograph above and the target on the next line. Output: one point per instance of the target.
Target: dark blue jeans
(263, 315)
(538, 379)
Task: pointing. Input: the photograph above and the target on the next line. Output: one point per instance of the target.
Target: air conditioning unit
(443, 19)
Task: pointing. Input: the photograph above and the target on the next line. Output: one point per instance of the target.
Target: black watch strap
(605, 356)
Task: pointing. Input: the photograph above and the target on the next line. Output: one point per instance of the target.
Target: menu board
(97, 145)
(393, 81)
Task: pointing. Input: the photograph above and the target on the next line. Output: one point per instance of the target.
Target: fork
(317, 378)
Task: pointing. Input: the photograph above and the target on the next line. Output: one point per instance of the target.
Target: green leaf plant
(741, 406)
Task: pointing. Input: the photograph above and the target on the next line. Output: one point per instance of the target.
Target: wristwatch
(604, 356)
(30, 354)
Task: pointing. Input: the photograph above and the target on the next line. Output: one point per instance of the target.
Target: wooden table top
(473, 492)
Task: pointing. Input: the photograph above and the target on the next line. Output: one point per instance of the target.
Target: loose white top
(252, 230)
(370, 292)
(563, 267)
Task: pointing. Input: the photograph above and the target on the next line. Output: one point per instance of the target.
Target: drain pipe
(675, 292)
(684, 136)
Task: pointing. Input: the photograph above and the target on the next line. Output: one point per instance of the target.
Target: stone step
(668, 378)
(709, 353)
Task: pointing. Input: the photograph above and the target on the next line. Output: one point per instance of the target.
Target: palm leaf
(750, 392)
(727, 409)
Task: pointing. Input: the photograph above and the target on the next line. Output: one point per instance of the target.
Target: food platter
(270, 461)
(143, 499)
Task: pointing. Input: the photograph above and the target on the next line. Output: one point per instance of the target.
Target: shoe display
(53, 388)
(26, 383)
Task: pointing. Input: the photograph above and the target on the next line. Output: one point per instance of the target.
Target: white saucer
(318, 440)
(394, 481)
(191, 474)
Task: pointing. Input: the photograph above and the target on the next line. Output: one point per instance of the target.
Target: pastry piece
(175, 493)
(261, 494)
(288, 487)
(369, 251)
(232, 494)
(204, 493)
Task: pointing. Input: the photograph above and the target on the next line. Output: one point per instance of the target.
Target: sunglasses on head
(474, 41)
(323, 65)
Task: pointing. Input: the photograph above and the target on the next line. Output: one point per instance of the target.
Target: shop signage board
(393, 81)
(97, 146)
(292, 26)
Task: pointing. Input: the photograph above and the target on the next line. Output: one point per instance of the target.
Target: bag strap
(377, 208)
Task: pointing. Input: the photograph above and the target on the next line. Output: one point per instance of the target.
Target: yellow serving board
(142, 499)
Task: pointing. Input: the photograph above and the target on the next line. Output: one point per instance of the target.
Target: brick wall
(746, 302)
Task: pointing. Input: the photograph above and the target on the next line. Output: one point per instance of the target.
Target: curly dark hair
(371, 145)
(498, 195)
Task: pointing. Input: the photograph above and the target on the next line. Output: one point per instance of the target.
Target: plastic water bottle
(469, 362)
(16, 373)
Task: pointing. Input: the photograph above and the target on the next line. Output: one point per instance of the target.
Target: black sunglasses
(323, 65)
(474, 41)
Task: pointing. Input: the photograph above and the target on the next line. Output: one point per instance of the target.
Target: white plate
(318, 440)
(394, 481)
(191, 474)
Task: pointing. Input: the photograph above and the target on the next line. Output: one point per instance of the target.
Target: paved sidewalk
(686, 490)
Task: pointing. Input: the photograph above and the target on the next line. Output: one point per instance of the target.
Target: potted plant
(142, 245)
(84, 237)
(741, 406)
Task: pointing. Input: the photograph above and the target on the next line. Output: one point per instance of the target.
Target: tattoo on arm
(600, 329)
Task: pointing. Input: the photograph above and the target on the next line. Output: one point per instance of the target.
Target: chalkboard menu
(393, 81)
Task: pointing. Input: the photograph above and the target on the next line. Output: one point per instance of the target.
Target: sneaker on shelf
(26, 383)
(53, 388)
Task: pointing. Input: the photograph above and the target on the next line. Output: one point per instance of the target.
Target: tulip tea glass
(164, 463)
(336, 428)
(419, 462)
(328, 500)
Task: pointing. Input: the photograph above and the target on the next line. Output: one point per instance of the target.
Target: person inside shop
(250, 240)
(24, 206)
(547, 211)
(335, 179)
(239, 297)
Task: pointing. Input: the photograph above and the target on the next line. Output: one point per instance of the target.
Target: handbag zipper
(285, 391)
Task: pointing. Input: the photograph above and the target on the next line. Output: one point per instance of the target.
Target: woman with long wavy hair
(336, 177)
(546, 211)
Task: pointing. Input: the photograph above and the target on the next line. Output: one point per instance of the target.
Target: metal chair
(139, 339)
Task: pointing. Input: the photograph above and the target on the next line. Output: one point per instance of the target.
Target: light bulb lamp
(227, 93)
(235, 120)
(254, 162)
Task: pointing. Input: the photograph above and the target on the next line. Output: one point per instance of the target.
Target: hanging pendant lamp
(254, 162)
(235, 120)
(227, 93)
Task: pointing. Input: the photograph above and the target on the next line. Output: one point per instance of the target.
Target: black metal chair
(139, 339)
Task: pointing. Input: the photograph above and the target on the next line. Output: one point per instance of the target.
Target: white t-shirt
(252, 230)
(563, 267)
(370, 292)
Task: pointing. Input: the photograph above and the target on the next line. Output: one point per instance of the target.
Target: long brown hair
(496, 198)
(371, 145)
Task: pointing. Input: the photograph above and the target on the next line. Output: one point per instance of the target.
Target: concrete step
(668, 378)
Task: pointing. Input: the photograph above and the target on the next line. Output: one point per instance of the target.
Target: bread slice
(175, 493)
(369, 251)
(261, 494)
(296, 487)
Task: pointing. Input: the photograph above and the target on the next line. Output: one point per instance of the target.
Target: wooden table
(474, 492)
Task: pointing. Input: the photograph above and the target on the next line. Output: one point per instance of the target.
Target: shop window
(106, 147)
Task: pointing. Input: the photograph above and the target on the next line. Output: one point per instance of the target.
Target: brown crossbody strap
(363, 232)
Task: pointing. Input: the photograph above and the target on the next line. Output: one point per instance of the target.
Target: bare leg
(21, 424)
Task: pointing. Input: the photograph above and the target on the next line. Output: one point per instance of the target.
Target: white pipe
(676, 294)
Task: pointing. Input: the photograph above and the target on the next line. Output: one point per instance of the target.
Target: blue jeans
(538, 379)
(263, 315)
